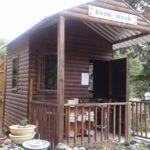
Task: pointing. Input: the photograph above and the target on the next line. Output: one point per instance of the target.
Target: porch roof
(118, 34)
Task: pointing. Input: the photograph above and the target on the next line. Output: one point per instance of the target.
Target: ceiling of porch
(119, 37)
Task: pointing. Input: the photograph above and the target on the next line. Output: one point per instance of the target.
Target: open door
(101, 79)
(110, 79)
(119, 88)
(119, 80)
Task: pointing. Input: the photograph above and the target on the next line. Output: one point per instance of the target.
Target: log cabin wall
(43, 42)
(81, 45)
(16, 102)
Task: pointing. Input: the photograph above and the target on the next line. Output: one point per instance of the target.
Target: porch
(84, 124)
(56, 74)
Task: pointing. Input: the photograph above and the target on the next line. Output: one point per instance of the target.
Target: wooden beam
(60, 79)
(105, 22)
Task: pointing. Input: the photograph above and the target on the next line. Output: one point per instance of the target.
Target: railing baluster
(120, 114)
(82, 125)
(95, 134)
(67, 123)
(137, 123)
(75, 131)
(133, 125)
(145, 119)
(52, 111)
(107, 123)
(102, 120)
(141, 126)
(89, 124)
(114, 121)
(68, 136)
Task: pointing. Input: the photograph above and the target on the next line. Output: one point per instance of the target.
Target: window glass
(14, 72)
(48, 75)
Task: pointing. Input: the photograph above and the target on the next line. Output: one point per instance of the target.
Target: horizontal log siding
(82, 44)
(16, 103)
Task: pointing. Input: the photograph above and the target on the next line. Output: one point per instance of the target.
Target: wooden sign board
(108, 14)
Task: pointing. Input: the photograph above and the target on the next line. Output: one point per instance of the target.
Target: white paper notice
(85, 79)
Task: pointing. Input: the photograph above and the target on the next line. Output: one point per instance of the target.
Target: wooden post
(128, 125)
(30, 99)
(60, 79)
(4, 89)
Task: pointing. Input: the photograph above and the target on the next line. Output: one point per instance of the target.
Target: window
(48, 72)
(14, 72)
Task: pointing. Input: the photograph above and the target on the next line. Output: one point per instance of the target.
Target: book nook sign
(108, 14)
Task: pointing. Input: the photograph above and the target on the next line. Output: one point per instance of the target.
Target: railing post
(128, 123)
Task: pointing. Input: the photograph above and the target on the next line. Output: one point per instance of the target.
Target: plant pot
(2, 138)
(19, 139)
(22, 130)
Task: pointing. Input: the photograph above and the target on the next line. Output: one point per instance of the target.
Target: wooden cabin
(62, 76)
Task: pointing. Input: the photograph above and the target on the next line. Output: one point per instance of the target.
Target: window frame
(15, 88)
(39, 73)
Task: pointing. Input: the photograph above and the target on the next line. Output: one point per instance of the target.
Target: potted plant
(22, 131)
(22, 128)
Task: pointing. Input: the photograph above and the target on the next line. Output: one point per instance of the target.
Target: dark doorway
(101, 79)
(110, 85)
(109, 79)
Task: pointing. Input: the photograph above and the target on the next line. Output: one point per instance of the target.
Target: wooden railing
(96, 122)
(141, 118)
(44, 116)
(84, 124)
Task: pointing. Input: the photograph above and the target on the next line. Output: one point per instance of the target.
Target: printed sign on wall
(108, 14)
(84, 78)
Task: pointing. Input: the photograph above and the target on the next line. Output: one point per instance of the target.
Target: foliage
(139, 62)
(2, 50)
(139, 68)
(141, 147)
(141, 5)
(23, 122)
(103, 146)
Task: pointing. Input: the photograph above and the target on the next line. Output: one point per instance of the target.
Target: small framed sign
(84, 78)
(108, 14)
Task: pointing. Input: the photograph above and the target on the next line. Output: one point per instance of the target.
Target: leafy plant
(23, 122)
(141, 147)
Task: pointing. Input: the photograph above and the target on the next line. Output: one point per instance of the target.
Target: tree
(139, 62)
(143, 6)
(2, 49)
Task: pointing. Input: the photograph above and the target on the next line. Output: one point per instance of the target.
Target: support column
(60, 79)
